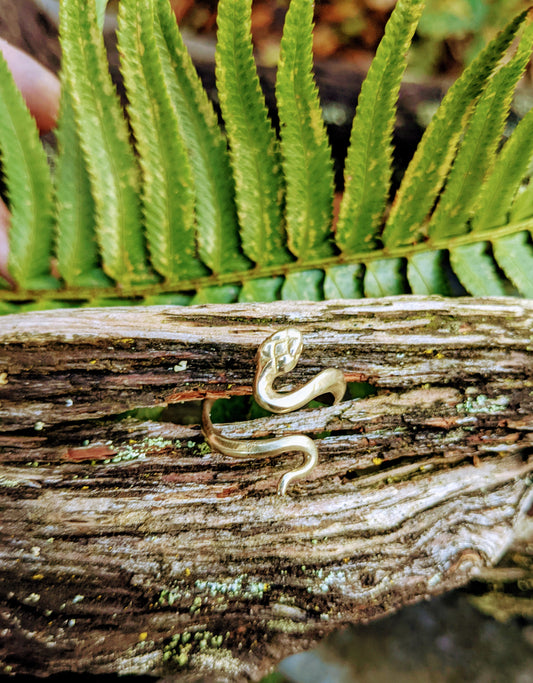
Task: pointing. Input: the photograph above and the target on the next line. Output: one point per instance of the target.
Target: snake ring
(276, 356)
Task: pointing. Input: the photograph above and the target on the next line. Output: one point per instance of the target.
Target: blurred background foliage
(450, 34)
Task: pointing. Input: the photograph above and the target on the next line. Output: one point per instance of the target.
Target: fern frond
(307, 162)
(217, 226)
(514, 255)
(167, 182)
(368, 169)
(181, 147)
(434, 156)
(253, 144)
(105, 141)
(460, 199)
(476, 270)
(29, 189)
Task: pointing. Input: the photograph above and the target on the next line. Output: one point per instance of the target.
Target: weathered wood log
(126, 546)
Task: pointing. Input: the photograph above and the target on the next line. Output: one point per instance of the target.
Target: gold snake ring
(276, 356)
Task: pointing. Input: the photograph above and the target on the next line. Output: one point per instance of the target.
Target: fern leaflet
(434, 156)
(218, 239)
(426, 273)
(305, 285)
(253, 144)
(29, 189)
(101, 6)
(514, 255)
(307, 163)
(475, 268)
(385, 277)
(261, 289)
(344, 282)
(460, 199)
(105, 141)
(76, 247)
(167, 184)
(368, 167)
(500, 188)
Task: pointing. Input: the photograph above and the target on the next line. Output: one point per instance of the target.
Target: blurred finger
(4, 242)
(39, 86)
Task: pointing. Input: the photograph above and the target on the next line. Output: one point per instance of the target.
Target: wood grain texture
(126, 546)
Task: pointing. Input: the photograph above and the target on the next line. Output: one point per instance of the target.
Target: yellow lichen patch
(3, 379)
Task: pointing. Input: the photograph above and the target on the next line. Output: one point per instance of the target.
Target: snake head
(282, 349)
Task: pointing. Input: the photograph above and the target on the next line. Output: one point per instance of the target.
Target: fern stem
(243, 276)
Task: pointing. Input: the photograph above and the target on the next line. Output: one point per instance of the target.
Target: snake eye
(283, 348)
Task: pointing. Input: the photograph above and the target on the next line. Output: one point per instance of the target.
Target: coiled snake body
(276, 356)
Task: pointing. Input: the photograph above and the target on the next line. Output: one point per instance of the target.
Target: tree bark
(126, 546)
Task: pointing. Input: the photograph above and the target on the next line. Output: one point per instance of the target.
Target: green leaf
(77, 253)
(522, 207)
(253, 145)
(29, 188)
(42, 305)
(434, 156)
(500, 188)
(303, 286)
(218, 238)
(514, 255)
(344, 282)
(76, 248)
(460, 199)
(307, 163)
(7, 308)
(101, 6)
(226, 294)
(426, 273)
(167, 300)
(261, 289)
(385, 277)
(105, 141)
(368, 170)
(443, 18)
(111, 302)
(476, 270)
(167, 183)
